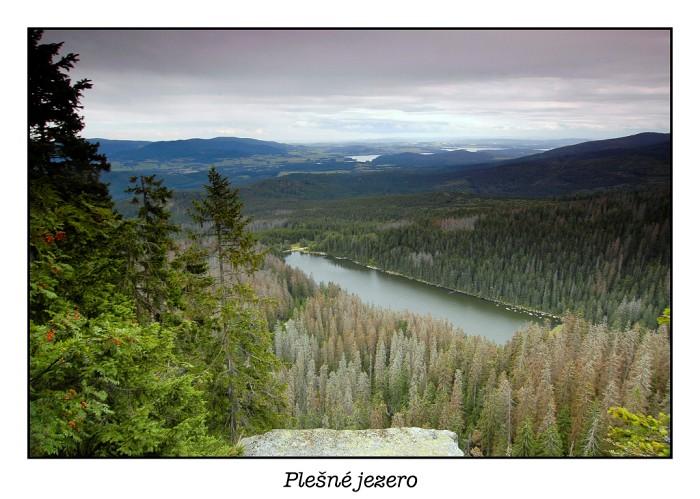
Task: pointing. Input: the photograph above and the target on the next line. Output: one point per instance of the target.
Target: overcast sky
(333, 85)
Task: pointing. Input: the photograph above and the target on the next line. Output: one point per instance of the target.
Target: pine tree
(380, 381)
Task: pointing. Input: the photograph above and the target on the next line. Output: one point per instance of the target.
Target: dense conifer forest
(175, 328)
(606, 255)
(546, 392)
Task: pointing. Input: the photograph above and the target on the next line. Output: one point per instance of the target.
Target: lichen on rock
(388, 442)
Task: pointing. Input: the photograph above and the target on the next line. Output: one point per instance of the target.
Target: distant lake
(472, 148)
(473, 315)
(364, 159)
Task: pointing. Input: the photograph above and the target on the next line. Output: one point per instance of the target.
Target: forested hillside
(545, 393)
(196, 151)
(623, 163)
(170, 329)
(607, 256)
(137, 347)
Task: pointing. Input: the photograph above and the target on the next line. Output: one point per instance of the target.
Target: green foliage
(138, 347)
(607, 255)
(220, 216)
(100, 382)
(148, 248)
(525, 440)
(110, 387)
(244, 394)
(639, 435)
(57, 154)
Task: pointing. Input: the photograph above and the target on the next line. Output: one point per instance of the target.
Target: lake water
(472, 148)
(472, 315)
(366, 158)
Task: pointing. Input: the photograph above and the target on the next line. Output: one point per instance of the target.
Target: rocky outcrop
(415, 442)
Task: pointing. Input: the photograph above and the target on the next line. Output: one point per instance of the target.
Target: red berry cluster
(59, 236)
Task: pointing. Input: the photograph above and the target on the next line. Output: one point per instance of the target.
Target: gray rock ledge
(414, 442)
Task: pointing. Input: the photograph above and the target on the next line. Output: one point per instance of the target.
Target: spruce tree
(453, 414)
(245, 393)
(148, 255)
(100, 384)
(593, 432)
(57, 153)
(525, 440)
(71, 223)
(549, 442)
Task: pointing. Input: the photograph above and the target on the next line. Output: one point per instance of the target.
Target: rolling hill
(626, 162)
(200, 151)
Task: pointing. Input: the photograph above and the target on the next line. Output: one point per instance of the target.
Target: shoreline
(508, 306)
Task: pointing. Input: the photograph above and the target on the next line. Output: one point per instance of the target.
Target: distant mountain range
(631, 161)
(486, 154)
(626, 162)
(197, 152)
(189, 150)
(620, 144)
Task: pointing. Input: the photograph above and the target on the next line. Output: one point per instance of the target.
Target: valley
(583, 247)
(388, 267)
(246, 161)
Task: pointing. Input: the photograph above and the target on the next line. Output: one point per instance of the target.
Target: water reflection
(472, 315)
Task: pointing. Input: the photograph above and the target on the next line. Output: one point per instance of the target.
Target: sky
(306, 86)
(313, 86)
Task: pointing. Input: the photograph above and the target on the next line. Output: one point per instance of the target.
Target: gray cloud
(311, 85)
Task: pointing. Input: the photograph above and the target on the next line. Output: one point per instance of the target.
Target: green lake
(374, 287)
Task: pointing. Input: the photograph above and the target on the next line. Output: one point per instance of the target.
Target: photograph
(280, 245)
